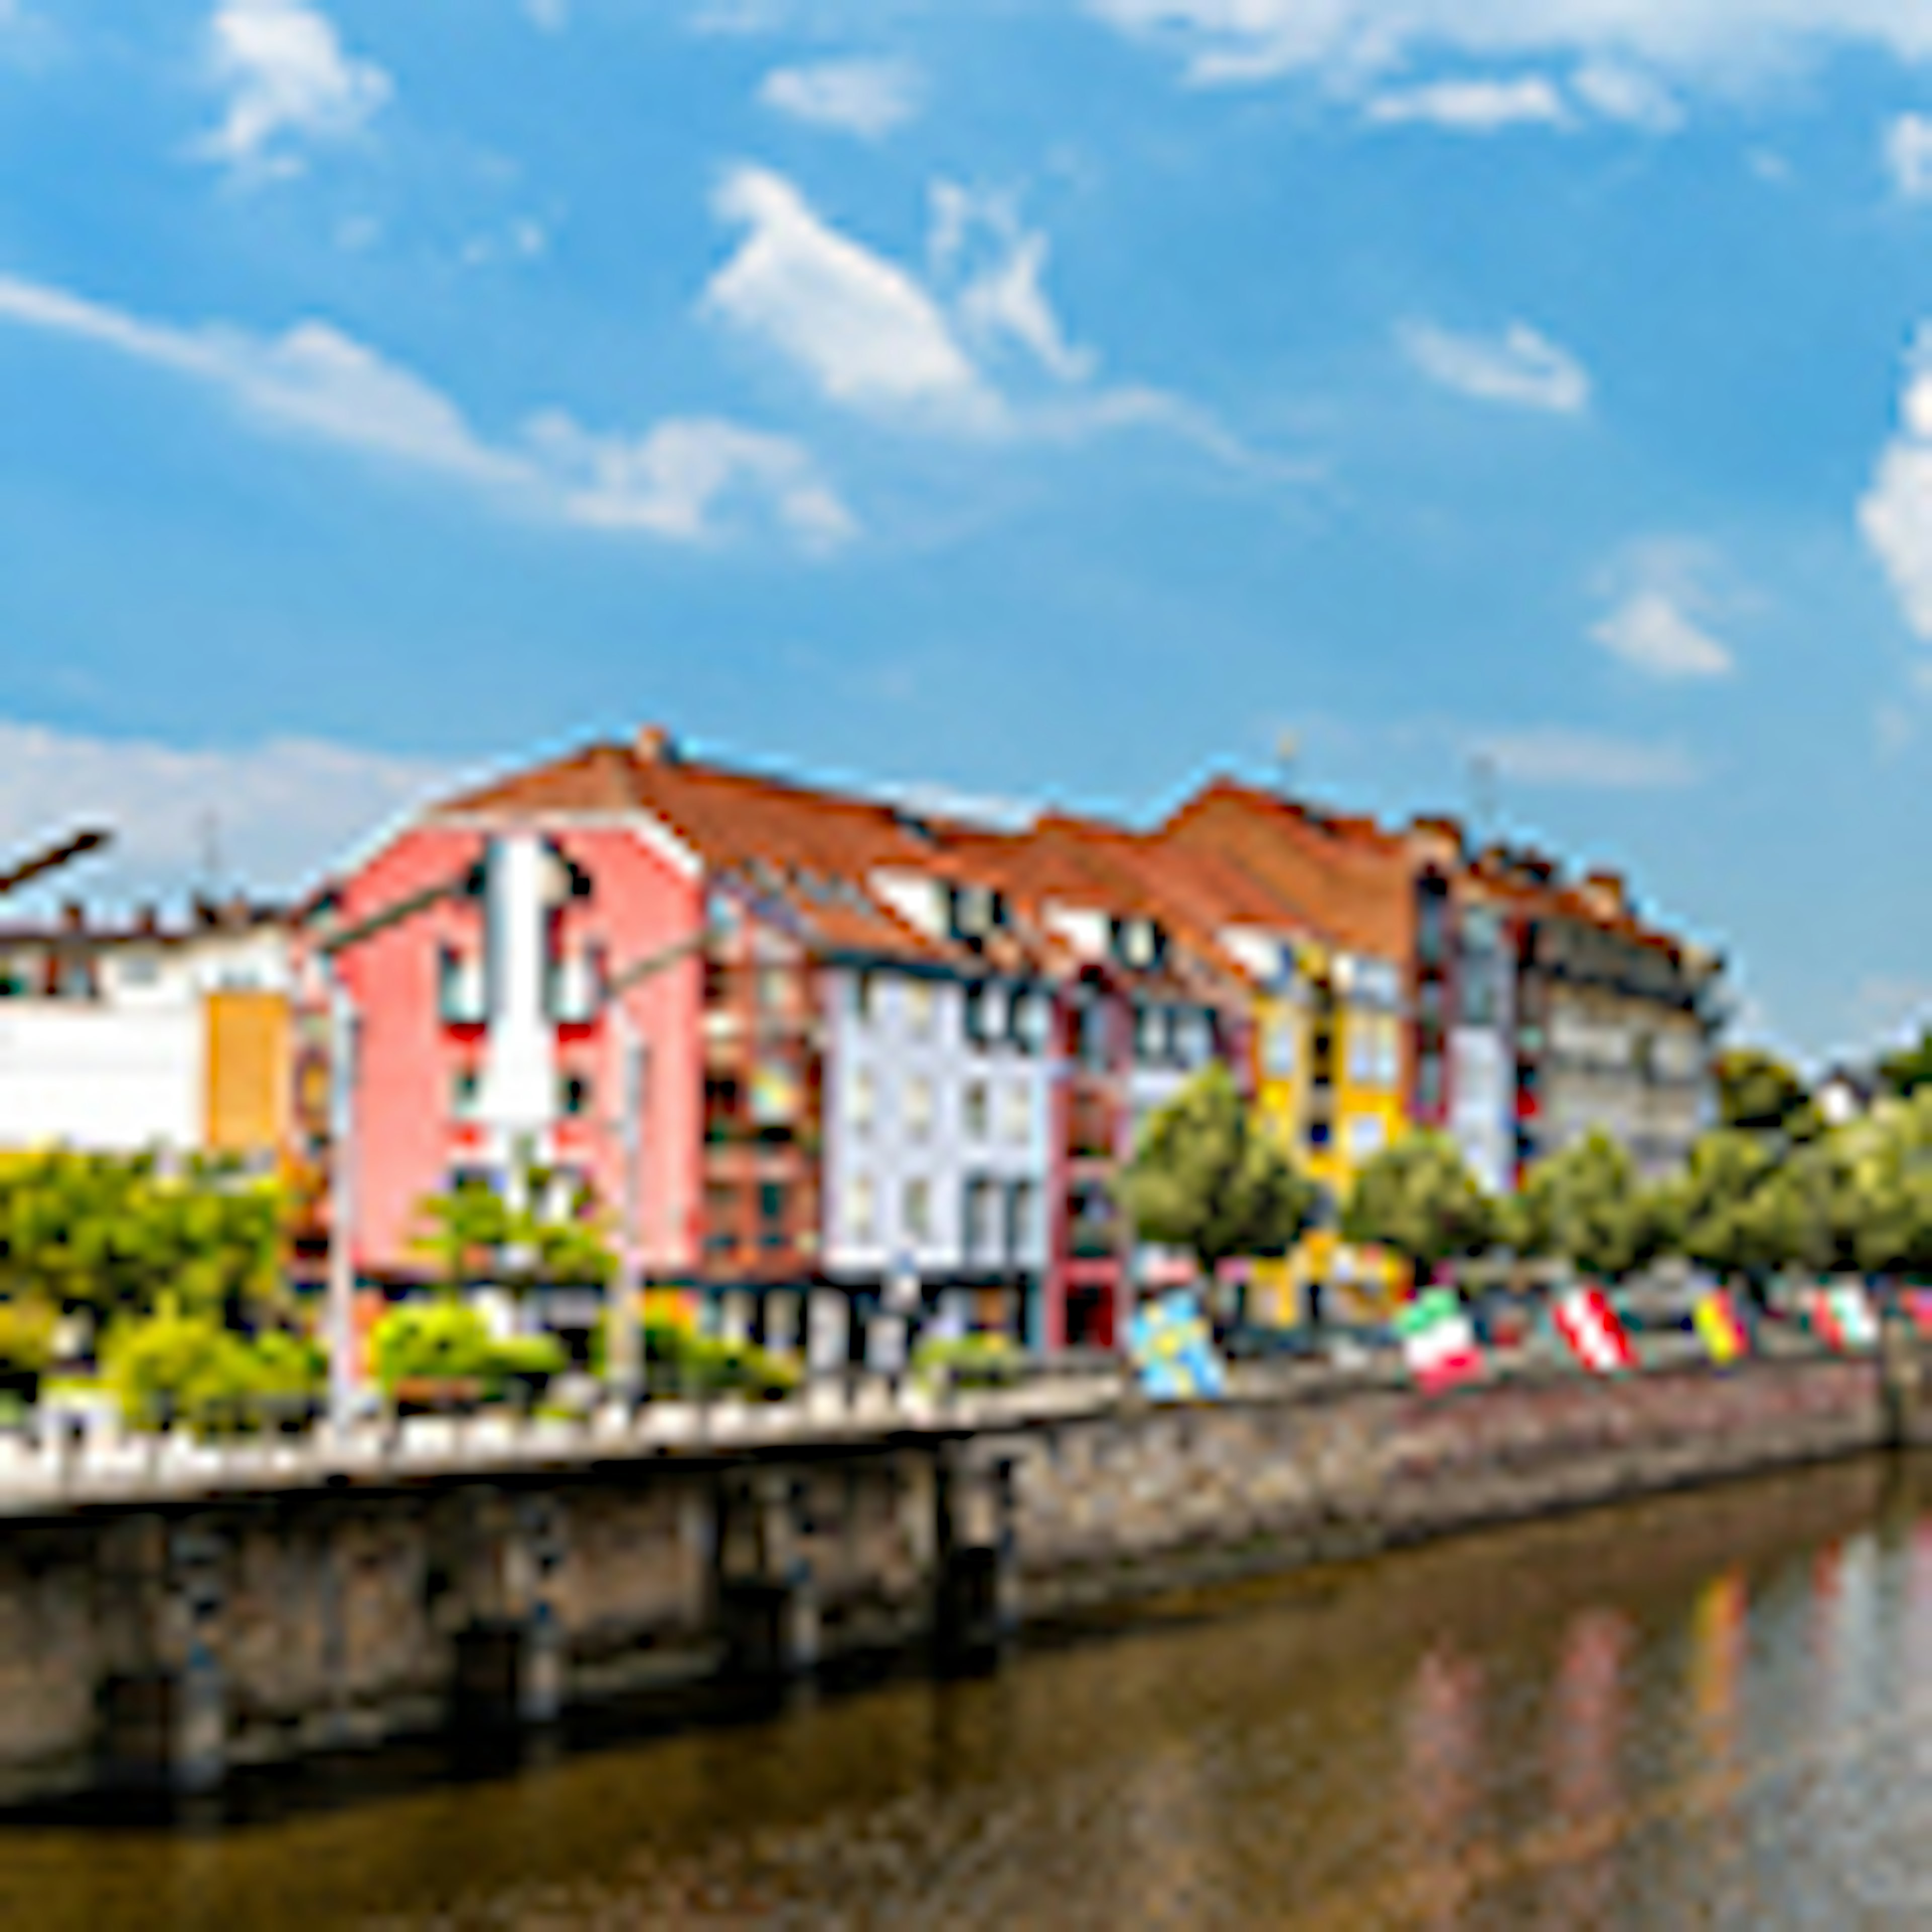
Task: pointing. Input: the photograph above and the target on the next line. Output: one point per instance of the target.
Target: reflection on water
(1705, 1711)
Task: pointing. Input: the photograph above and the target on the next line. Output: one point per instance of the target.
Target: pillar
(510, 1653)
(162, 1701)
(767, 1596)
(975, 1571)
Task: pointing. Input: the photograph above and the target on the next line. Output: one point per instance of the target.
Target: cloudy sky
(1522, 402)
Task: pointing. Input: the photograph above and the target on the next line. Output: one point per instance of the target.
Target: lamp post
(345, 1027)
(623, 1354)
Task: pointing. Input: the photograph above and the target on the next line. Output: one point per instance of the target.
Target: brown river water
(1708, 1710)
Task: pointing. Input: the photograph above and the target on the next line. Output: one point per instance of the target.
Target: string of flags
(1592, 1332)
(1438, 1342)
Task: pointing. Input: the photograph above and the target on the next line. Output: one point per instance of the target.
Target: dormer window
(1139, 944)
(460, 991)
(975, 914)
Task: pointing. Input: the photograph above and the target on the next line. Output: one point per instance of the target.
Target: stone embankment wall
(166, 1640)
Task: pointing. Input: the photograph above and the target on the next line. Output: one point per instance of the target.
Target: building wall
(413, 1134)
(908, 1040)
(101, 1078)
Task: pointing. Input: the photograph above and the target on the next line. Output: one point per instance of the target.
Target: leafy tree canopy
(1418, 1198)
(1206, 1179)
(1758, 1092)
(1587, 1204)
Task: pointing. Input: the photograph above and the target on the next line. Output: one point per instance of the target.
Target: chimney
(654, 745)
(1605, 894)
(147, 921)
(1438, 832)
(73, 916)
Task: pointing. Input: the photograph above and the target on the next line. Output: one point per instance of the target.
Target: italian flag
(1590, 1329)
(1843, 1316)
(1715, 1317)
(1437, 1341)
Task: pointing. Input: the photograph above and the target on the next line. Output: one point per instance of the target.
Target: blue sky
(1034, 398)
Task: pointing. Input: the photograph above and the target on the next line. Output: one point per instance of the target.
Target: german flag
(1719, 1328)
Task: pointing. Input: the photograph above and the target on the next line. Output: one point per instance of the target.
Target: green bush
(26, 1337)
(531, 1360)
(968, 1361)
(432, 1341)
(191, 1368)
(678, 1361)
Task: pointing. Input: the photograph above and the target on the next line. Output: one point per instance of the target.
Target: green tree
(471, 1232)
(1418, 1198)
(1908, 1069)
(1758, 1092)
(1205, 1178)
(1587, 1205)
(1718, 1205)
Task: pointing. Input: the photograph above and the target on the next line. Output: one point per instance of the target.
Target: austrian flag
(1437, 1341)
(1592, 1332)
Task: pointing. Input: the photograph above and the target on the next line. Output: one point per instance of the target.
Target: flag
(1172, 1350)
(1437, 1341)
(1715, 1317)
(1918, 1306)
(1591, 1330)
(1843, 1317)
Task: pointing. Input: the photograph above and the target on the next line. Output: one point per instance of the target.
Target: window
(1193, 1039)
(862, 1096)
(460, 988)
(140, 969)
(574, 1095)
(915, 1216)
(1152, 1035)
(973, 1015)
(862, 1207)
(1016, 1113)
(1138, 944)
(1278, 1047)
(922, 1009)
(1367, 1133)
(981, 1196)
(772, 987)
(978, 1110)
(1093, 1035)
(773, 1197)
(464, 1085)
(721, 1218)
(866, 996)
(1030, 1019)
(576, 984)
(1022, 1211)
(919, 1107)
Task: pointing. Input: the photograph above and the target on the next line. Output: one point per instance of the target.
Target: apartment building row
(809, 1043)
(872, 1044)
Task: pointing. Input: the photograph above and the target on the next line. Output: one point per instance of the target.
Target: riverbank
(162, 1637)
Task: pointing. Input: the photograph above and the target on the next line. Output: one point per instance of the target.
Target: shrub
(678, 1361)
(968, 1361)
(189, 1368)
(431, 1341)
(26, 1337)
(528, 1361)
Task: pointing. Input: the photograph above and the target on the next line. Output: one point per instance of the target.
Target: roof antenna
(211, 851)
(1287, 751)
(1483, 796)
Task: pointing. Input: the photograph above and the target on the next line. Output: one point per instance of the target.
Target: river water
(1709, 1710)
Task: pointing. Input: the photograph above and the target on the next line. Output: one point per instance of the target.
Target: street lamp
(623, 1356)
(344, 1029)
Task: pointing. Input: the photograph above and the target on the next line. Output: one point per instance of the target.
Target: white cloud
(671, 481)
(1557, 755)
(1652, 634)
(283, 808)
(1661, 593)
(1908, 156)
(868, 98)
(1619, 91)
(1714, 43)
(1895, 514)
(863, 330)
(323, 384)
(998, 266)
(552, 16)
(1521, 366)
(288, 80)
(874, 338)
(1474, 106)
